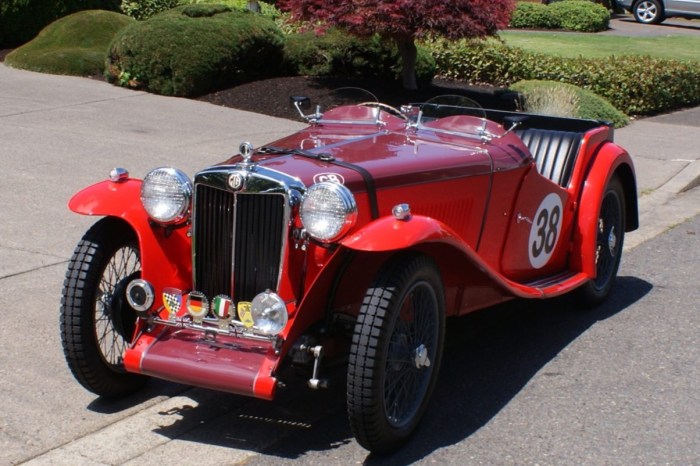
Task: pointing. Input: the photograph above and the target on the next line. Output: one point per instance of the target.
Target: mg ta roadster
(353, 240)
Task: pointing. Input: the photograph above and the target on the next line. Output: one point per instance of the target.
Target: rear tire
(97, 322)
(609, 242)
(395, 353)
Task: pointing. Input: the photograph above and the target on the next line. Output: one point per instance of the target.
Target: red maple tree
(404, 21)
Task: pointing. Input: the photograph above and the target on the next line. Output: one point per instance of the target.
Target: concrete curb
(669, 205)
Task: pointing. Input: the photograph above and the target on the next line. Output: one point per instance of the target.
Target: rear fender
(610, 161)
(165, 255)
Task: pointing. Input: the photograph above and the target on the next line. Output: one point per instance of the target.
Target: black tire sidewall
(78, 326)
(401, 275)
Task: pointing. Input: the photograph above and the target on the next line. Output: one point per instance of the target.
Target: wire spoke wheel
(395, 353)
(97, 322)
(114, 319)
(408, 369)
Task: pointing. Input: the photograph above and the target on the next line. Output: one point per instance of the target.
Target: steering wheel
(387, 108)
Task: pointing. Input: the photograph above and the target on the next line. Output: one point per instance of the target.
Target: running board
(555, 285)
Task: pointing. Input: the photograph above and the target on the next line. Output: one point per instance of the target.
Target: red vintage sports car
(354, 238)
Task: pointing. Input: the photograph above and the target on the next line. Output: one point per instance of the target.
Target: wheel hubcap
(646, 11)
(612, 241)
(421, 357)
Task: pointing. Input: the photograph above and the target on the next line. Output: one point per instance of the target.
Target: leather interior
(554, 151)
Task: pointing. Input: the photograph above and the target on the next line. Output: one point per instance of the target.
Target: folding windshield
(359, 107)
(452, 114)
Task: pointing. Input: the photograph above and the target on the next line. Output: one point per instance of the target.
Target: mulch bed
(3, 53)
(271, 96)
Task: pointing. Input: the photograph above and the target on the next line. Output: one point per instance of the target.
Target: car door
(687, 6)
(537, 244)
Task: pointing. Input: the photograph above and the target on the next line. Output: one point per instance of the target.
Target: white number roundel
(544, 232)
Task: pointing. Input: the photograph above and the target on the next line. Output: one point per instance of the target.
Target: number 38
(545, 230)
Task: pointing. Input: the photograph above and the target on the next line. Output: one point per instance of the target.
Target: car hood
(391, 157)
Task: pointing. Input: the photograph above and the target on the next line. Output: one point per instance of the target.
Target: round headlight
(269, 313)
(166, 194)
(328, 211)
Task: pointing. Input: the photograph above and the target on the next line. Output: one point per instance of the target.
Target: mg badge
(235, 181)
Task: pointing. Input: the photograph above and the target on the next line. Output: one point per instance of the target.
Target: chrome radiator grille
(238, 241)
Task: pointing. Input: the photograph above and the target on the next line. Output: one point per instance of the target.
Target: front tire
(609, 242)
(97, 322)
(648, 12)
(395, 353)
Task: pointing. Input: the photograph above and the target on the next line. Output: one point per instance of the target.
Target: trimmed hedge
(337, 53)
(196, 49)
(144, 9)
(75, 45)
(587, 105)
(21, 20)
(636, 85)
(573, 15)
(266, 9)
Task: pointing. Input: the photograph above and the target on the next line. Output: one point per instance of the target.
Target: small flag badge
(244, 313)
(222, 306)
(197, 306)
(172, 300)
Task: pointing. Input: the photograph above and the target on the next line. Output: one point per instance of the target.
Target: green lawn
(597, 45)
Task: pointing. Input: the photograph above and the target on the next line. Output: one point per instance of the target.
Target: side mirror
(300, 101)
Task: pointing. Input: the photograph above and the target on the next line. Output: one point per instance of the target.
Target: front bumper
(218, 362)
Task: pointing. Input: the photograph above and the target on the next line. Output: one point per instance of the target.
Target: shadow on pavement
(489, 357)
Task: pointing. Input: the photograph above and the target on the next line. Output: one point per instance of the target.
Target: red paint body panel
(164, 259)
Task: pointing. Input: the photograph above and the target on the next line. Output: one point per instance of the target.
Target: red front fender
(165, 258)
(390, 234)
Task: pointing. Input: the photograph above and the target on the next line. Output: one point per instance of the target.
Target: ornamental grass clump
(192, 50)
(561, 99)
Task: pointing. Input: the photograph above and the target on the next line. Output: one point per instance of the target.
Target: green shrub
(186, 52)
(567, 100)
(21, 20)
(532, 16)
(636, 85)
(266, 9)
(337, 53)
(75, 45)
(580, 15)
(572, 15)
(144, 9)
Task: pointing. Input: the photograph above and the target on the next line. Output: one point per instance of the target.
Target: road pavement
(59, 134)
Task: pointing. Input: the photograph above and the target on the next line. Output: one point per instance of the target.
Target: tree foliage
(405, 20)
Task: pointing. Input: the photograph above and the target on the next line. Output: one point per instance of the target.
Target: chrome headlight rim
(178, 212)
(348, 210)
